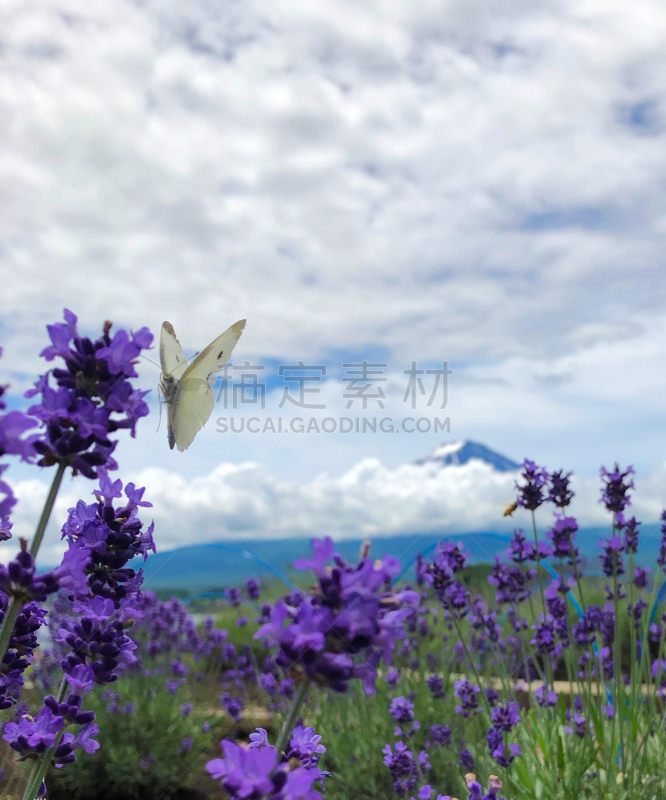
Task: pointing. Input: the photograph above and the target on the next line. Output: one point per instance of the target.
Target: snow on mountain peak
(458, 453)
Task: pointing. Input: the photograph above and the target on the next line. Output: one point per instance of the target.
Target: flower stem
(46, 511)
(7, 628)
(16, 604)
(42, 764)
(288, 724)
(538, 561)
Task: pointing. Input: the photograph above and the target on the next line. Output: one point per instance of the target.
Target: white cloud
(241, 502)
(354, 163)
(481, 182)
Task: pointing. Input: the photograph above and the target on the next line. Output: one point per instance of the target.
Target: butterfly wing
(216, 355)
(190, 414)
(196, 400)
(172, 357)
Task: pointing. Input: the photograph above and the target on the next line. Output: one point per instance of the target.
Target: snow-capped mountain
(458, 453)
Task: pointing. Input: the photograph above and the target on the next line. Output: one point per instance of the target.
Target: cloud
(424, 174)
(242, 503)
(478, 182)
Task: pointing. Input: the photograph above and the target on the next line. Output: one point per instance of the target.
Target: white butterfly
(186, 390)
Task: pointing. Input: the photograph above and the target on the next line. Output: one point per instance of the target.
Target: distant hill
(197, 568)
(458, 453)
(227, 564)
(201, 567)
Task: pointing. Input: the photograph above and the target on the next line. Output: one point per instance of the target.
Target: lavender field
(527, 678)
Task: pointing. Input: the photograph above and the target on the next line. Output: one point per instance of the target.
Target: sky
(479, 185)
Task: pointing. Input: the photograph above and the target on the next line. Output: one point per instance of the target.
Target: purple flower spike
(322, 551)
(258, 739)
(92, 398)
(244, 773)
(466, 759)
(616, 486)
(531, 491)
(562, 537)
(611, 559)
(81, 679)
(345, 627)
(560, 494)
(402, 767)
(85, 738)
(468, 695)
(305, 746)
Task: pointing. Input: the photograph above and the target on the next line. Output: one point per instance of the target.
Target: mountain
(458, 453)
(201, 567)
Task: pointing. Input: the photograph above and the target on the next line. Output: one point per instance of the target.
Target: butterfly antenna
(151, 361)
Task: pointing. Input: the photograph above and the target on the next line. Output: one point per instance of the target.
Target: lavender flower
(234, 597)
(436, 686)
(641, 577)
(232, 705)
(616, 486)
(439, 735)
(491, 696)
(505, 718)
(530, 493)
(519, 549)
(402, 767)
(392, 677)
(98, 639)
(611, 560)
(546, 697)
(93, 396)
(560, 494)
(244, 773)
(584, 630)
(448, 560)
(629, 529)
(580, 725)
(466, 759)
(305, 746)
(544, 637)
(258, 739)
(19, 579)
(402, 711)
(511, 582)
(346, 627)
(107, 537)
(467, 694)
(475, 789)
(562, 536)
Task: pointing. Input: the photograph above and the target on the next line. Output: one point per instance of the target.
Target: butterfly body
(187, 393)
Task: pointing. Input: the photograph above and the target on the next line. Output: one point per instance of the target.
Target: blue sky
(481, 183)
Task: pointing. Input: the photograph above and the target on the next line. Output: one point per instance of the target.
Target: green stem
(472, 663)
(536, 552)
(46, 511)
(288, 724)
(576, 572)
(618, 705)
(8, 623)
(547, 662)
(16, 604)
(633, 668)
(43, 763)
